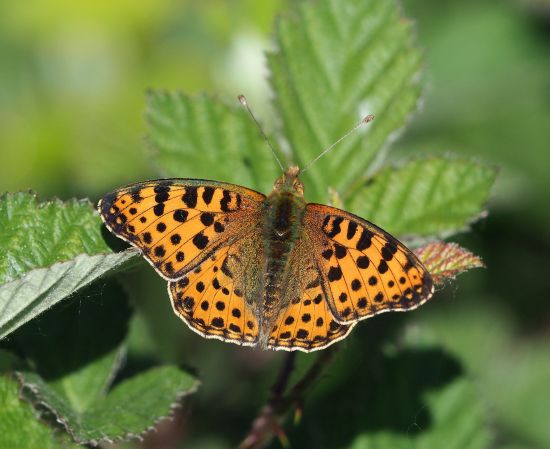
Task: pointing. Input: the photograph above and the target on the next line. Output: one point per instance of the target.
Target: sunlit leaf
(445, 261)
(37, 235)
(202, 137)
(425, 197)
(76, 387)
(128, 411)
(49, 251)
(336, 61)
(19, 428)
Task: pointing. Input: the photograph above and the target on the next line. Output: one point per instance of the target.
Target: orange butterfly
(274, 271)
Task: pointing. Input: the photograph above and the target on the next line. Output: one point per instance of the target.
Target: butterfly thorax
(282, 228)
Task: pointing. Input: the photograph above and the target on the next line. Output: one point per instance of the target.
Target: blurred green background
(72, 82)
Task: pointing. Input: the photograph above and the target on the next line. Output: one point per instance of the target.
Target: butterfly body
(282, 228)
(272, 271)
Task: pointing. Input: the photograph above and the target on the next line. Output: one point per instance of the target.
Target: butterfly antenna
(243, 101)
(367, 119)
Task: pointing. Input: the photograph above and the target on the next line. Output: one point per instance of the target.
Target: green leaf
(425, 196)
(409, 394)
(335, 62)
(19, 428)
(445, 261)
(203, 138)
(88, 334)
(129, 410)
(25, 298)
(49, 251)
(511, 368)
(518, 386)
(458, 422)
(37, 235)
(73, 381)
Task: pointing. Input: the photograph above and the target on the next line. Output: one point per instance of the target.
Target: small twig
(283, 377)
(268, 422)
(297, 392)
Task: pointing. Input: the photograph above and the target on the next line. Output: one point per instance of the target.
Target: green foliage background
(468, 370)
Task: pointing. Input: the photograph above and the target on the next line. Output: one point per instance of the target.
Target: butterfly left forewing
(176, 223)
(365, 270)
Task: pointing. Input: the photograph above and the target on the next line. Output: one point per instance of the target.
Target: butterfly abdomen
(282, 228)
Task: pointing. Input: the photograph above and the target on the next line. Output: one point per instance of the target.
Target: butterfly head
(290, 182)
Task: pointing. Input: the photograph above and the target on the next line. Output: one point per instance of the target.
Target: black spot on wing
(352, 228)
(340, 251)
(135, 194)
(382, 267)
(224, 202)
(334, 274)
(158, 209)
(180, 215)
(190, 197)
(336, 222)
(207, 218)
(161, 197)
(207, 195)
(365, 240)
(200, 240)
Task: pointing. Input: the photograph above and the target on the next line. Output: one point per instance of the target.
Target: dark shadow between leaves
(75, 332)
(113, 242)
(376, 390)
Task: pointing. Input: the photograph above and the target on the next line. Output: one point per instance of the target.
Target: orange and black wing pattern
(216, 299)
(177, 223)
(364, 271)
(307, 324)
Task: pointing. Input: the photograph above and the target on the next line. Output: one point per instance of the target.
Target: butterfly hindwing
(365, 270)
(304, 321)
(176, 223)
(307, 324)
(216, 298)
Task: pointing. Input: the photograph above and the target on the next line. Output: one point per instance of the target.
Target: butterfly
(272, 271)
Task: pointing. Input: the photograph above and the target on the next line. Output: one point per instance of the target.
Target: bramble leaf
(19, 427)
(335, 62)
(202, 137)
(76, 386)
(49, 251)
(132, 408)
(445, 261)
(424, 197)
(37, 235)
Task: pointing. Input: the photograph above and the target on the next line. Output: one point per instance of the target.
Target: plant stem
(268, 422)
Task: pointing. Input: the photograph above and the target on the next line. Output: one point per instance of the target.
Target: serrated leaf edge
(175, 405)
(415, 239)
(123, 255)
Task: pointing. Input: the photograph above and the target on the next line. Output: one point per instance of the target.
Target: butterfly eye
(298, 186)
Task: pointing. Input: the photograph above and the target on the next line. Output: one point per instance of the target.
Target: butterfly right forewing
(364, 270)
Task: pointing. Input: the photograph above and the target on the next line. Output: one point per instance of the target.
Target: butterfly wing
(178, 223)
(307, 323)
(216, 299)
(364, 270)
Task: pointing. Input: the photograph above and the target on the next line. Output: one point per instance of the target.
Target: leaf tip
(445, 261)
